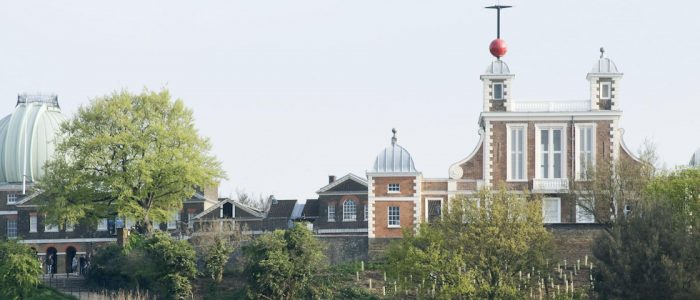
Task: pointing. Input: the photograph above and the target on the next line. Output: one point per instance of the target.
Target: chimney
(331, 178)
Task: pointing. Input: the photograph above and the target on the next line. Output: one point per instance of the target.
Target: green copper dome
(28, 137)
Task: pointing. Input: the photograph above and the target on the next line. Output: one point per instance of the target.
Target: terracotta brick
(434, 186)
(474, 167)
(407, 186)
(468, 186)
(381, 216)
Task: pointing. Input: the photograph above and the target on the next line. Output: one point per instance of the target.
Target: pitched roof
(281, 209)
(310, 209)
(340, 180)
(251, 210)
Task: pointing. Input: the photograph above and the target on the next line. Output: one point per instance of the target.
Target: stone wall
(344, 248)
(574, 241)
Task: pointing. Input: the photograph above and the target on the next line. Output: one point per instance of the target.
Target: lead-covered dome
(28, 137)
(394, 159)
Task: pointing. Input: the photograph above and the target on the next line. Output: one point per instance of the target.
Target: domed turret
(394, 159)
(28, 137)
(604, 79)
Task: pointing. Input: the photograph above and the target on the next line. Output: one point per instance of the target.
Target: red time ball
(498, 48)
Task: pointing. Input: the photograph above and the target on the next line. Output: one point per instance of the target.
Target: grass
(48, 293)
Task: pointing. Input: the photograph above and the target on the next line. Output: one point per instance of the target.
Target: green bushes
(19, 271)
(159, 264)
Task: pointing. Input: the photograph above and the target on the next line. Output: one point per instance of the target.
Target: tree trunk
(145, 226)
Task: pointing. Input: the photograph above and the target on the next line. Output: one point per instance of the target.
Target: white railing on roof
(550, 106)
(550, 184)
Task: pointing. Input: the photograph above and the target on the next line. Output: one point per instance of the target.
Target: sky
(290, 92)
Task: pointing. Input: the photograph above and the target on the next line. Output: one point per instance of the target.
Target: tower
(497, 77)
(604, 80)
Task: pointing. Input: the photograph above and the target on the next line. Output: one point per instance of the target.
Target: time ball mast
(498, 46)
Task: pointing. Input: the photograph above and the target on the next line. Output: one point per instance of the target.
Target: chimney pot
(331, 178)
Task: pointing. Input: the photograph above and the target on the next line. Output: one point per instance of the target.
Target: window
(69, 227)
(585, 146)
(584, 211)
(32, 222)
(517, 155)
(498, 91)
(349, 210)
(174, 219)
(102, 225)
(550, 149)
(11, 198)
(11, 228)
(434, 210)
(190, 219)
(50, 228)
(394, 217)
(551, 210)
(394, 188)
(605, 90)
(366, 211)
(331, 212)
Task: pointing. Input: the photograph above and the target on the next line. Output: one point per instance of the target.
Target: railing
(550, 184)
(550, 106)
(49, 99)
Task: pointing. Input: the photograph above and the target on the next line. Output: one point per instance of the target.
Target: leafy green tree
(654, 253)
(215, 259)
(175, 262)
(19, 271)
(137, 156)
(285, 264)
(478, 250)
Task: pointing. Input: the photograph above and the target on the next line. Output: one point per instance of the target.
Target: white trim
(544, 208)
(577, 147)
(600, 93)
(340, 180)
(551, 116)
(493, 91)
(60, 241)
(33, 226)
(389, 188)
(328, 213)
(509, 128)
(342, 230)
(563, 155)
(455, 170)
(395, 198)
(14, 196)
(354, 216)
(370, 205)
(427, 206)
(7, 212)
(585, 211)
(388, 216)
(344, 193)
(487, 159)
(393, 174)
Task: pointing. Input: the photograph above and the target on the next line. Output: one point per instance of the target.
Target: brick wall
(572, 242)
(381, 214)
(407, 186)
(474, 167)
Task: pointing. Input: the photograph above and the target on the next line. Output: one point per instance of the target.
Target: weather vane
(498, 46)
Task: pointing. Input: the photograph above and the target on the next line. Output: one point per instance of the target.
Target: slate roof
(281, 209)
(310, 209)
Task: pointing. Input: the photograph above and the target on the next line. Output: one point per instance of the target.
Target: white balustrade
(550, 184)
(550, 106)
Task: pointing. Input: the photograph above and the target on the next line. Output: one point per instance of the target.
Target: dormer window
(394, 188)
(605, 90)
(11, 198)
(498, 91)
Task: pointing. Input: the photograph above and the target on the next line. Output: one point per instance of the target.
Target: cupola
(604, 80)
(394, 159)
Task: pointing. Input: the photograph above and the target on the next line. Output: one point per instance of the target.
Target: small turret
(604, 81)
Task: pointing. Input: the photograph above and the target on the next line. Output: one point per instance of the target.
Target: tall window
(605, 90)
(550, 152)
(32, 222)
(498, 91)
(394, 188)
(366, 211)
(585, 150)
(551, 210)
(70, 227)
(11, 228)
(517, 157)
(331, 212)
(172, 223)
(434, 210)
(394, 217)
(190, 219)
(102, 225)
(11, 198)
(349, 210)
(584, 211)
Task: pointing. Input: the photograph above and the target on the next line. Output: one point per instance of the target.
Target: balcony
(550, 106)
(550, 185)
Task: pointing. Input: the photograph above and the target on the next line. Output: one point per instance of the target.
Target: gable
(349, 185)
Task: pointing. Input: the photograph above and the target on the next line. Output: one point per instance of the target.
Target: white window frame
(12, 199)
(538, 151)
(366, 208)
(544, 210)
(172, 222)
(581, 164)
(50, 228)
(389, 219)
(349, 217)
(33, 221)
(510, 127)
(393, 188)
(606, 85)
(70, 227)
(503, 90)
(190, 219)
(12, 232)
(427, 206)
(584, 215)
(102, 225)
(331, 212)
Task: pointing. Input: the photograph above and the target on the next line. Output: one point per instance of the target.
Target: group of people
(75, 266)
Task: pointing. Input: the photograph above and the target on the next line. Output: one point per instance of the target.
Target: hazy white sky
(292, 91)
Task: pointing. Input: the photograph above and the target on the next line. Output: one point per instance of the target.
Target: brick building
(537, 146)
(341, 207)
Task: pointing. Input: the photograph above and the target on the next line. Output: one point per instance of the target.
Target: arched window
(349, 210)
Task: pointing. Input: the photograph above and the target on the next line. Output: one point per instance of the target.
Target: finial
(602, 52)
(393, 138)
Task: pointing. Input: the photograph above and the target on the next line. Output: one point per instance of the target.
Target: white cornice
(340, 180)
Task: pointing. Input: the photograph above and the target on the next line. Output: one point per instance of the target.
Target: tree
(285, 264)
(136, 156)
(655, 251)
(19, 271)
(479, 248)
(215, 241)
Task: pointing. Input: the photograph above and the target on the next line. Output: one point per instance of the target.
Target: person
(49, 264)
(74, 265)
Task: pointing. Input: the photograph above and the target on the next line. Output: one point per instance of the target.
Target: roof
(281, 209)
(604, 66)
(497, 67)
(341, 180)
(251, 210)
(298, 208)
(28, 137)
(394, 159)
(310, 209)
